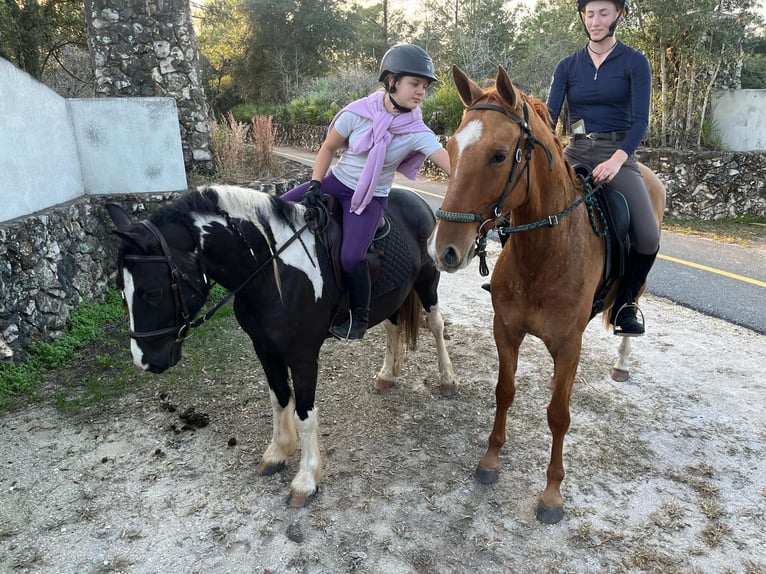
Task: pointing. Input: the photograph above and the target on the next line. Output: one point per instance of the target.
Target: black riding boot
(624, 310)
(359, 294)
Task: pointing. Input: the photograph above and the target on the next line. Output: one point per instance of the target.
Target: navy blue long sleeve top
(611, 99)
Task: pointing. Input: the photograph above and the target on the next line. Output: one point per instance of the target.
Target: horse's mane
(244, 203)
(538, 106)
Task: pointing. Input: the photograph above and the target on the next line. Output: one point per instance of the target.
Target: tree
(290, 41)
(34, 33)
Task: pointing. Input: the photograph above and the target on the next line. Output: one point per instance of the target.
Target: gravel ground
(666, 473)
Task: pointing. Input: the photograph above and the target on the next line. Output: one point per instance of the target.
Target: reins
(176, 274)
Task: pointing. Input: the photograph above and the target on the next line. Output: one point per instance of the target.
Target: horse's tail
(408, 319)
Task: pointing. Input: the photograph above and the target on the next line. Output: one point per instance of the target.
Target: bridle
(526, 140)
(526, 143)
(183, 317)
(184, 321)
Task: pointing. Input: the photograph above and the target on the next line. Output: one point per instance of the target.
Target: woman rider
(607, 86)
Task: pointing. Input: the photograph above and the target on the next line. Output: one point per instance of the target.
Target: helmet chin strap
(397, 107)
(612, 27)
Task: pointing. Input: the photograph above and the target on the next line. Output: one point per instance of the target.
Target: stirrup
(624, 331)
(344, 331)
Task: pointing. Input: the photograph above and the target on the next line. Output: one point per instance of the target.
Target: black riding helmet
(407, 60)
(622, 5)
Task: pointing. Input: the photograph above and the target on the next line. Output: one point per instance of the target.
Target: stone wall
(53, 260)
(700, 184)
(149, 49)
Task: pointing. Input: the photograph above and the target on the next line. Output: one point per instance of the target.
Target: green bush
(443, 108)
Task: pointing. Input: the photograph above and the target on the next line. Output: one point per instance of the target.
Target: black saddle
(614, 207)
(385, 255)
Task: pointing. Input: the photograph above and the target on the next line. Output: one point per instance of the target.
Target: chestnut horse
(507, 162)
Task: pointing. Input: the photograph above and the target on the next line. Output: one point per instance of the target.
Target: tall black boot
(624, 310)
(359, 293)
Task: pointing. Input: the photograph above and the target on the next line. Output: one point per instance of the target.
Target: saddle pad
(395, 261)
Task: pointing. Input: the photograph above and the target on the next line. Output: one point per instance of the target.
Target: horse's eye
(499, 157)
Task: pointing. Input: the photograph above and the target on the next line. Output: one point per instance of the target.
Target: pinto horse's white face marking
(129, 291)
(471, 133)
(245, 204)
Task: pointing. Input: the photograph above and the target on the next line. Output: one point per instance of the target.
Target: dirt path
(666, 473)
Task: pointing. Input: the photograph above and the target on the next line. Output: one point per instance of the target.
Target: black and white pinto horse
(257, 246)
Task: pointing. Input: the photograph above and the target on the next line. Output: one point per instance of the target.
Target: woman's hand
(605, 172)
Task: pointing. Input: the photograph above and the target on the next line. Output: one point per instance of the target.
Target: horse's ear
(126, 230)
(119, 216)
(505, 87)
(468, 89)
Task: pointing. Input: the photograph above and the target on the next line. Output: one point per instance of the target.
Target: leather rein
(184, 318)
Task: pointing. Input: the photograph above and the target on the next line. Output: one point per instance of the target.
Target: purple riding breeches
(358, 230)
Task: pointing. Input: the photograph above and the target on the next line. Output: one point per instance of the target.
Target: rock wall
(700, 184)
(53, 260)
(149, 49)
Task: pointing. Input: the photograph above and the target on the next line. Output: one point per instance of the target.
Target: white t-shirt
(349, 167)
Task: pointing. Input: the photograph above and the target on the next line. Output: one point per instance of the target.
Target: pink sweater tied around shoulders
(384, 126)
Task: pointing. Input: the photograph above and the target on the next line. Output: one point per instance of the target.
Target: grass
(84, 366)
(744, 230)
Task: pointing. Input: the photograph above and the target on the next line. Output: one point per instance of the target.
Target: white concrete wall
(740, 119)
(128, 145)
(39, 166)
(54, 150)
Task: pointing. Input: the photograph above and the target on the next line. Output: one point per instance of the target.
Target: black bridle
(528, 141)
(183, 317)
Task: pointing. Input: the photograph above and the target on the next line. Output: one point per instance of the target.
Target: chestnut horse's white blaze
(470, 133)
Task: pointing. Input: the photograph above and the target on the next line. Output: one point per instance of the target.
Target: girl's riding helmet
(407, 60)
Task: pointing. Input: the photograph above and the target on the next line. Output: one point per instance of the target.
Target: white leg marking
(283, 435)
(310, 471)
(436, 325)
(623, 355)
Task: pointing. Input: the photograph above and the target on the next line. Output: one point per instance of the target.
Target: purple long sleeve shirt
(611, 99)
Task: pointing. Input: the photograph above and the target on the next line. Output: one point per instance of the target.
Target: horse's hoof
(486, 475)
(549, 514)
(620, 375)
(269, 468)
(448, 390)
(383, 384)
(297, 500)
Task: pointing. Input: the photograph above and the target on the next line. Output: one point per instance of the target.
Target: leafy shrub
(443, 108)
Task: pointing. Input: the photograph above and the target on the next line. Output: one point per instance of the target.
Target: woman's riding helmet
(407, 60)
(623, 6)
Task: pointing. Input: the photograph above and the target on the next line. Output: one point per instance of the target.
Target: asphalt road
(719, 279)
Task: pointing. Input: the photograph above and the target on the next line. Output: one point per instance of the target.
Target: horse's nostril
(450, 257)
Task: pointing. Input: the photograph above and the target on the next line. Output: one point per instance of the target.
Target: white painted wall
(54, 150)
(39, 166)
(740, 119)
